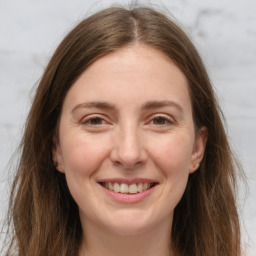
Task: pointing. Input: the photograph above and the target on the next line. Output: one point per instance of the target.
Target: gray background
(223, 31)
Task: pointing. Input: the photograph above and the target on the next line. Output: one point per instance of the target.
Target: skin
(144, 129)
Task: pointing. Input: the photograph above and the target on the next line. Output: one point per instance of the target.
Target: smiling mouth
(124, 188)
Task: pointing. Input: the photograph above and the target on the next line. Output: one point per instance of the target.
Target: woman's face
(127, 142)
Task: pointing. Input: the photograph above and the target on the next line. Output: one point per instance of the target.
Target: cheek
(173, 159)
(173, 155)
(82, 155)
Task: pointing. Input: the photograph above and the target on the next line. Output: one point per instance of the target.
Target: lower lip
(129, 198)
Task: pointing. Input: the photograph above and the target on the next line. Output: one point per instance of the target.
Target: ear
(57, 155)
(198, 149)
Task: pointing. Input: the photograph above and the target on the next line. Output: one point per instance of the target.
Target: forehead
(130, 75)
(134, 62)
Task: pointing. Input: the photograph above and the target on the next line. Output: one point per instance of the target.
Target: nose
(128, 150)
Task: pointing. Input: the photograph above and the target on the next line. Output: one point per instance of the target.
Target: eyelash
(101, 121)
(166, 120)
(88, 121)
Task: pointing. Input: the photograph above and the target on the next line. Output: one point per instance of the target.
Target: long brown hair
(43, 214)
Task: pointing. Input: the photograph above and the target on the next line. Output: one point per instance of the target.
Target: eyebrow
(94, 104)
(160, 104)
(147, 105)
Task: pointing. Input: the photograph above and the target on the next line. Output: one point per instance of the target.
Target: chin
(131, 223)
(129, 229)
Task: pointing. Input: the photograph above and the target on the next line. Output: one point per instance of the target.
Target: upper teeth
(125, 188)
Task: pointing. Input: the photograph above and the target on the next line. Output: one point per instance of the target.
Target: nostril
(117, 163)
(127, 165)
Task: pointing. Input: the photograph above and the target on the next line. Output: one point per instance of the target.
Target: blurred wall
(223, 31)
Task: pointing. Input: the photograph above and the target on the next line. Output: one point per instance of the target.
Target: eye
(96, 123)
(160, 120)
(93, 121)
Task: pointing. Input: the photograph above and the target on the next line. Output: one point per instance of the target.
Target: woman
(124, 150)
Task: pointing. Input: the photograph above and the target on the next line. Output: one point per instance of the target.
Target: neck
(97, 242)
